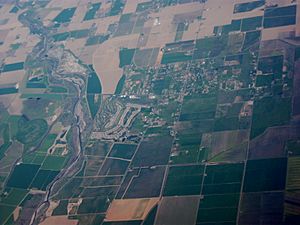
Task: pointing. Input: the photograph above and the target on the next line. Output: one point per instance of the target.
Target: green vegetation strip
(13, 67)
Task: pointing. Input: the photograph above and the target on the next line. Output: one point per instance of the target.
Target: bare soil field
(16, 106)
(130, 209)
(107, 69)
(59, 220)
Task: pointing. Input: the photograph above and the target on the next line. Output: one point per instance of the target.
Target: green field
(6, 91)
(43, 178)
(281, 11)
(188, 153)
(5, 133)
(252, 23)
(5, 212)
(41, 106)
(13, 67)
(120, 85)
(176, 57)
(35, 85)
(184, 180)
(272, 65)
(61, 209)
(53, 163)
(65, 15)
(93, 90)
(269, 112)
(93, 205)
(226, 123)
(280, 21)
(97, 148)
(248, 6)
(31, 131)
(14, 9)
(90, 14)
(94, 85)
(22, 175)
(126, 56)
(14, 197)
(268, 174)
(97, 39)
(234, 26)
(48, 142)
(223, 179)
(198, 107)
(61, 36)
(124, 151)
(280, 16)
(217, 216)
(143, 6)
(116, 8)
(251, 38)
(76, 34)
(94, 102)
(58, 89)
(38, 159)
(210, 47)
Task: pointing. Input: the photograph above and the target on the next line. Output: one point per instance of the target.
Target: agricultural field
(150, 112)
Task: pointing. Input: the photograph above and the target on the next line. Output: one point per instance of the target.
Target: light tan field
(12, 18)
(105, 6)
(216, 13)
(17, 35)
(78, 25)
(163, 30)
(87, 53)
(106, 61)
(131, 5)
(53, 205)
(21, 54)
(31, 41)
(277, 32)
(192, 31)
(3, 34)
(4, 10)
(17, 58)
(63, 4)
(2, 56)
(102, 25)
(6, 100)
(12, 77)
(16, 105)
(75, 45)
(130, 209)
(16, 213)
(48, 19)
(58, 220)
(79, 13)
